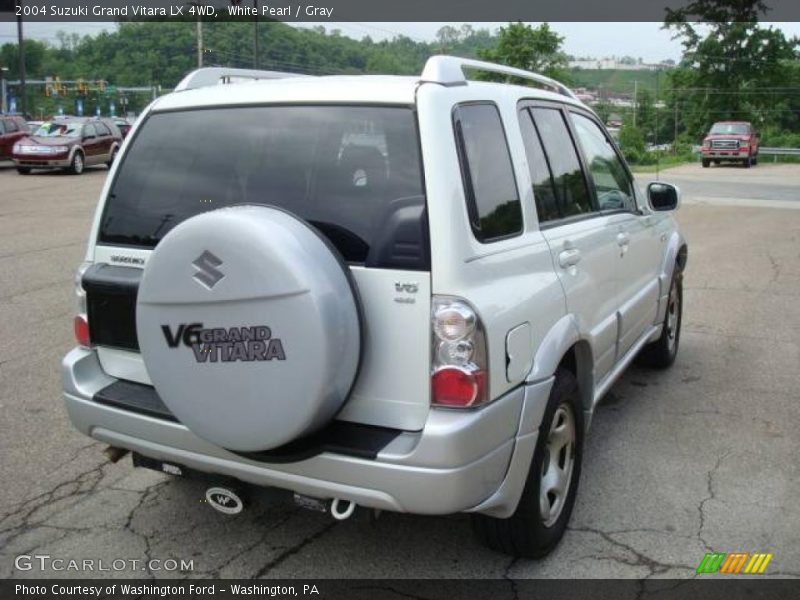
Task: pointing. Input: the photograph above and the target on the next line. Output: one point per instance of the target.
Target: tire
(661, 353)
(755, 160)
(717, 162)
(529, 533)
(77, 164)
(748, 162)
(24, 170)
(706, 163)
(113, 158)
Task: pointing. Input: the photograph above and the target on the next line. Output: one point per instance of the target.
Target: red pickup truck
(733, 141)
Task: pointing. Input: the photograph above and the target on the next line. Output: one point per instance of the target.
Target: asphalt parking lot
(699, 458)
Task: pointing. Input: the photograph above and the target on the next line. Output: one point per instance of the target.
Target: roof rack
(449, 71)
(209, 76)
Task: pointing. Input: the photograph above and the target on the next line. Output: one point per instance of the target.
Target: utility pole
(655, 133)
(3, 90)
(255, 34)
(20, 41)
(196, 5)
(199, 42)
(675, 135)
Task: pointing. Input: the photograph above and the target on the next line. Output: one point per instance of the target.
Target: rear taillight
(459, 358)
(81, 322)
(82, 331)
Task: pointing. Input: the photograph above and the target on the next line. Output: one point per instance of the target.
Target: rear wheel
(706, 163)
(546, 504)
(24, 170)
(661, 353)
(112, 158)
(76, 166)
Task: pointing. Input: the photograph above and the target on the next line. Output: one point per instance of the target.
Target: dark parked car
(68, 143)
(123, 125)
(12, 129)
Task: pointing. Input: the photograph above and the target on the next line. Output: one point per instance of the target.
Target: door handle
(569, 258)
(623, 239)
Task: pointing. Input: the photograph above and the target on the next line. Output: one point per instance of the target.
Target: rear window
(351, 171)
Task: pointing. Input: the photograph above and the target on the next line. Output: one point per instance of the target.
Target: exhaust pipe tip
(114, 454)
(224, 500)
(342, 509)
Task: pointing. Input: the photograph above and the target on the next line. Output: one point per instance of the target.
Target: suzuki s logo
(207, 272)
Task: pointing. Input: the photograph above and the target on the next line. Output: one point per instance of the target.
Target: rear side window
(571, 190)
(544, 191)
(101, 129)
(492, 198)
(89, 130)
(351, 171)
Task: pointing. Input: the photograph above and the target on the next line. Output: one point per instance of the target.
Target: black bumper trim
(135, 397)
(339, 437)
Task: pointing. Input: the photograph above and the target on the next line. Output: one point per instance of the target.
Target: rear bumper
(460, 461)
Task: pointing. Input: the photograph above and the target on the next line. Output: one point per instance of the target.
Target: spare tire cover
(248, 326)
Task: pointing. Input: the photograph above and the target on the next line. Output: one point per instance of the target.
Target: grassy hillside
(615, 80)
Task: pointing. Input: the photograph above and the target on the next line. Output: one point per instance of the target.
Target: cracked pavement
(702, 457)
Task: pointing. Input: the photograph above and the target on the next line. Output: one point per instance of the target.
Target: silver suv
(403, 293)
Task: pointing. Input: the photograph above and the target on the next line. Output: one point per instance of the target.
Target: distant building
(613, 63)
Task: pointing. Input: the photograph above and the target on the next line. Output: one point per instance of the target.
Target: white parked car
(403, 293)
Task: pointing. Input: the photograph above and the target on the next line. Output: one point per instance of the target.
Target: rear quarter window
(491, 191)
(351, 171)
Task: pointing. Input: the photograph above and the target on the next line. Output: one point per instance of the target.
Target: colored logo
(745, 563)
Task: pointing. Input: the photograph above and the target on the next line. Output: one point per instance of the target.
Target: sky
(597, 40)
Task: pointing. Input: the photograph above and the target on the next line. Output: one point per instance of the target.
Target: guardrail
(767, 151)
(779, 151)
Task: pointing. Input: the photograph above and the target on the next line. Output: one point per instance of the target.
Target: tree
(520, 45)
(603, 109)
(645, 111)
(632, 143)
(730, 65)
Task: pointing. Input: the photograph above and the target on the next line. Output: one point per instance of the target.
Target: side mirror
(663, 197)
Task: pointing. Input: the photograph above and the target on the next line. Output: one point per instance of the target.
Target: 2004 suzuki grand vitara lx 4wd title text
(404, 293)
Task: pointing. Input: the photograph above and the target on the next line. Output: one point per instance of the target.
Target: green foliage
(603, 108)
(618, 81)
(520, 45)
(161, 53)
(732, 67)
(632, 143)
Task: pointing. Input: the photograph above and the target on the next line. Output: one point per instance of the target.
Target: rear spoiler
(209, 76)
